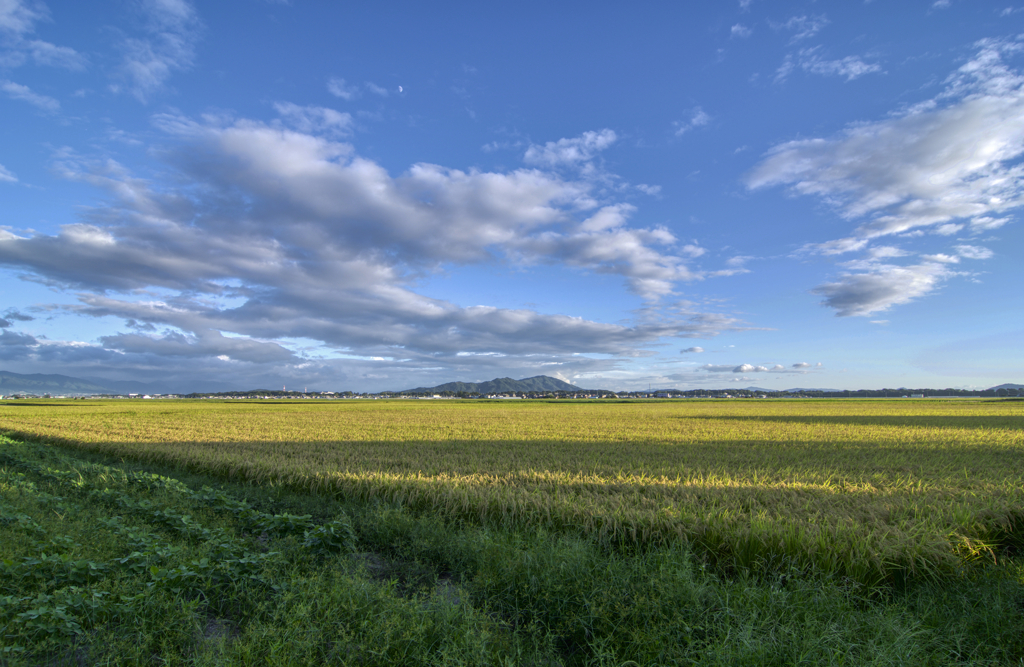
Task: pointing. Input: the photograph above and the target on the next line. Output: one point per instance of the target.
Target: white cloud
(17, 91)
(851, 66)
(947, 164)
(811, 60)
(6, 175)
(171, 29)
(693, 350)
(312, 119)
(948, 229)
(18, 18)
(271, 233)
(740, 30)
(973, 252)
(376, 90)
(752, 368)
(570, 152)
(339, 88)
(603, 244)
(17, 21)
(802, 27)
(801, 364)
(880, 288)
(45, 53)
(885, 252)
(941, 258)
(697, 119)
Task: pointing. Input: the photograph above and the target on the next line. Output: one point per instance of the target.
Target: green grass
(123, 581)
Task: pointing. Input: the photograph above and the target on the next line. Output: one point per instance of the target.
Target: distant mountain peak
(500, 386)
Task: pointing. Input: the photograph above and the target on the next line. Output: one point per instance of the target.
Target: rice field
(875, 490)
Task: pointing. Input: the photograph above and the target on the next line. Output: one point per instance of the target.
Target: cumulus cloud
(881, 287)
(204, 343)
(948, 164)
(570, 152)
(603, 244)
(698, 118)
(740, 30)
(690, 350)
(16, 91)
(171, 30)
(13, 315)
(973, 252)
(752, 368)
(950, 158)
(270, 233)
(13, 340)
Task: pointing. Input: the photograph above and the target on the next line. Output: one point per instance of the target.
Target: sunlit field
(511, 533)
(876, 490)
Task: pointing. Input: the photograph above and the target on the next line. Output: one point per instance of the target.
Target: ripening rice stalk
(871, 489)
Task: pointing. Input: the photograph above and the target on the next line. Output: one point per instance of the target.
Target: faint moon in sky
(399, 89)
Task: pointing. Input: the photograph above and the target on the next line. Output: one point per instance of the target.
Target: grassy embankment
(527, 533)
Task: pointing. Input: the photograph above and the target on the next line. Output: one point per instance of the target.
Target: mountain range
(38, 383)
(499, 386)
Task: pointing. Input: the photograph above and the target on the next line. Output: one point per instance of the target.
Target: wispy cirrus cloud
(17, 91)
(171, 30)
(697, 118)
(18, 17)
(339, 88)
(802, 27)
(812, 61)
(314, 119)
(741, 31)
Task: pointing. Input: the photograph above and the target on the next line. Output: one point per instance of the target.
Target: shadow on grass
(829, 540)
(894, 421)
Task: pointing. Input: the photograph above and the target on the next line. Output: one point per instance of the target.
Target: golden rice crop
(870, 488)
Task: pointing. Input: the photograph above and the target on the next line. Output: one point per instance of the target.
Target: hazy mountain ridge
(52, 383)
(38, 383)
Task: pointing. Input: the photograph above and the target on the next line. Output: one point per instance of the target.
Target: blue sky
(753, 193)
